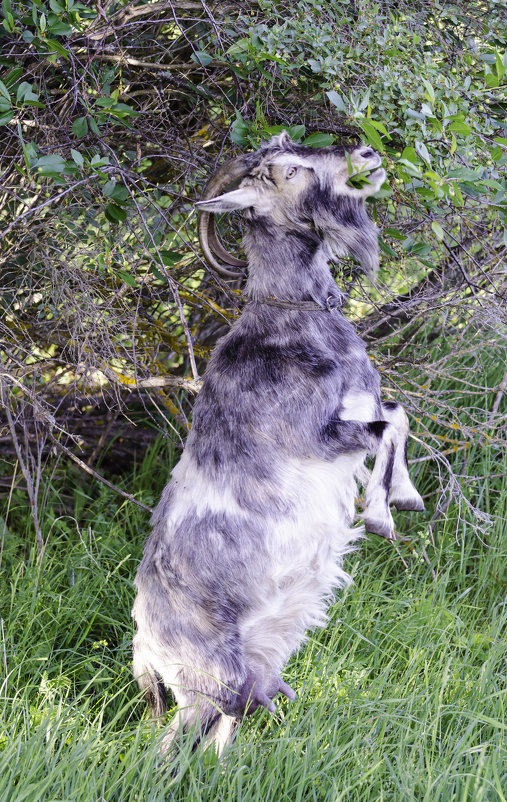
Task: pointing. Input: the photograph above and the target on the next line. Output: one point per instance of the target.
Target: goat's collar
(331, 303)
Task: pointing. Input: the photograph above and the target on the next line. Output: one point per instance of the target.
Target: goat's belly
(305, 559)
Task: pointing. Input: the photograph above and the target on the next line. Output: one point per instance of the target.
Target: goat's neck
(286, 264)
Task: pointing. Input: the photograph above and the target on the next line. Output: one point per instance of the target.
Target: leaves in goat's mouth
(360, 180)
(357, 180)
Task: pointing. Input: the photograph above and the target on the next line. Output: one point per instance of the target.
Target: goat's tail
(153, 689)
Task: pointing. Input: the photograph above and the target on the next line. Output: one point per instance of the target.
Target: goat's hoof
(414, 504)
(287, 691)
(381, 528)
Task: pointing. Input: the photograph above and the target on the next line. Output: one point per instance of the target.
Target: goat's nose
(367, 153)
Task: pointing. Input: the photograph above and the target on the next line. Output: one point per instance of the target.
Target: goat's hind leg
(204, 723)
(402, 493)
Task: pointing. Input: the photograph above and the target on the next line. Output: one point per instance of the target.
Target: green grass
(401, 697)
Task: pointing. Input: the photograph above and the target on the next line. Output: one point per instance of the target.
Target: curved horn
(226, 177)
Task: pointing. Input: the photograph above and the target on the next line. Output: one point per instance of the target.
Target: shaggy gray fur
(249, 536)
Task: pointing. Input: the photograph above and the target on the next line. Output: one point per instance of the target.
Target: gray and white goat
(249, 536)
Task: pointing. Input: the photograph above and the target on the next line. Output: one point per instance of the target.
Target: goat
(249, 537)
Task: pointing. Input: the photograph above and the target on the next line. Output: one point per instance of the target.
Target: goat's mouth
(367, 177)
(374, 161)
(378, 175)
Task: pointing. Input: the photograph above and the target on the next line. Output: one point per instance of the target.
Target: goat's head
(298, 188)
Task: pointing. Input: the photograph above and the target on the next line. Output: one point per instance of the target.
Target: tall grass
(401, 697)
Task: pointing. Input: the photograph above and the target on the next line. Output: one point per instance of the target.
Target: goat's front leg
(402, 493)
(378, 438)
(376, 513)
(389, 481)
(366, 406)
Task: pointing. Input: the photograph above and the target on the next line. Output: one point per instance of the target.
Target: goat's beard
(350, 232)
(362, 244)
(359, 239)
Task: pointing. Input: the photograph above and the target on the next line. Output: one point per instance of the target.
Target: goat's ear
(241, 198)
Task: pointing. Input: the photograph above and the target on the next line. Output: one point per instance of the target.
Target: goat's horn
(226, 177)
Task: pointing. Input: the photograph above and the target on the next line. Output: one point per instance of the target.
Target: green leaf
(491, 80)
(5, 92)
(394, 233)
(8, 23)
(77, 157)
(416, 115)
(120, 193)
(410, 155)
(423, 152)
(57, 27)
(437, 230)
(413, 170)
(13, 75)
(125, 109)
(116, 191)
(460, 128)
(429, 89)
(379, 126)
(416, 248)
(6, 117)
(371, 135)
(105, 102)
(337, 100)
(170, 258)
(315, 66)
(387, 248)
(54, 45)
(53, 160)
(127, 278)
(108, 188)
(156, 272)
(296, 132)
(457, 198)
(202, 58)
(365, 100)
(52, 165)
(23, 88)
(80, 127)
(318, 140)
(94, 128)
(500, 67)
(115, 213)
(464, 173)
(99, 161)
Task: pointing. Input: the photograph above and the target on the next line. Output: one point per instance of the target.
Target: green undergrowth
(401, 697)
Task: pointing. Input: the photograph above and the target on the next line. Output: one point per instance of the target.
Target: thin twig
(96, 475)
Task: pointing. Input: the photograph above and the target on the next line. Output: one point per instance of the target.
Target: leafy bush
(113, 116)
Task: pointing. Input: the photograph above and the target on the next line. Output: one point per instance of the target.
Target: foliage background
(112, 117)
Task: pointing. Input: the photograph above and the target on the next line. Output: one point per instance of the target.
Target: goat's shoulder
(273, 348)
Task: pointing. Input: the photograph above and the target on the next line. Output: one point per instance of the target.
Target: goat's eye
(291, 172)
